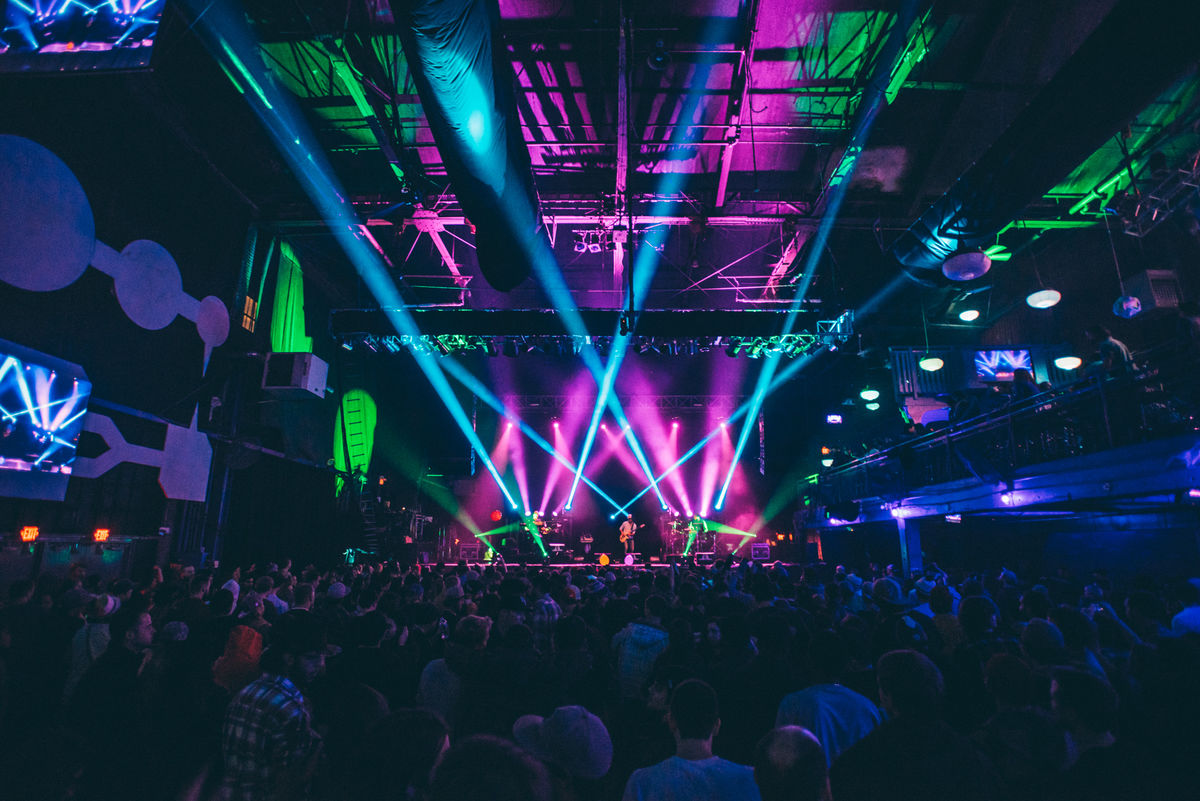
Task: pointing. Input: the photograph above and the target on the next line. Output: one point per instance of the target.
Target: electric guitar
(625, 536)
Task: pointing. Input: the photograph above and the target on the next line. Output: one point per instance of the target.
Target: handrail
(1043, 401)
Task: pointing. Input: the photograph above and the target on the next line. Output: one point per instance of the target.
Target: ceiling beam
(624, 77)
(737, 97)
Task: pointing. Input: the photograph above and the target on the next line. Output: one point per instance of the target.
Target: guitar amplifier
(760, 551)
(469, 551)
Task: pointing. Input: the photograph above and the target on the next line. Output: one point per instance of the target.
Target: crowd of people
(729, 681)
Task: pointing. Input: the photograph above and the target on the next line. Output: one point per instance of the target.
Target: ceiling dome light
(931, 364)
(969, 315)
(1044, 298)
(869, 394)
(1068, 362)
(872, 407)
(967, 265)
(826, 463)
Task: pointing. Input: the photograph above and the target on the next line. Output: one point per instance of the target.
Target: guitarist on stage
(628, 529)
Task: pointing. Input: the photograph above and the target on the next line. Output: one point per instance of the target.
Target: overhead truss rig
(663, 324)
(754, 347)
(677, 403)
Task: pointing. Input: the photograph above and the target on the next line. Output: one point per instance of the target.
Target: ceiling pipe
(460, 66)
(1133, 54)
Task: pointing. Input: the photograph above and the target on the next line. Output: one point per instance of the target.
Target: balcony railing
(1095, 414)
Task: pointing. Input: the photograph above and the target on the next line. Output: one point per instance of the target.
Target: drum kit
(688, 536)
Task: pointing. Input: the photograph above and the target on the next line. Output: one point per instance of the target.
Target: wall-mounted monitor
(43, 401)
(78, 35)
(41, 416)
(999, 365)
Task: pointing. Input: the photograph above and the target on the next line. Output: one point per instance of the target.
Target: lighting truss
(828, 332)
(1158, 202)
(676, 403)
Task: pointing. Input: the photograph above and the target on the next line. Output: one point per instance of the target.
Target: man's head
(629, 517)
(1085, 704)
(132, 628)
(298, 648)
(472, 632)
(694, 714)
(302, 597)
(20, 591)
(789, 765)
(910, 685)
(656, 607)
(485, 768)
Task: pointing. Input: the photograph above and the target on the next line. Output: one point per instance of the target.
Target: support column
(908, 531)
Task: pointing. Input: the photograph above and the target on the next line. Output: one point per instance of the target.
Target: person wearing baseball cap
(571, 739)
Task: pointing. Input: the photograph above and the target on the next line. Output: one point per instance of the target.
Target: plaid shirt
(267, 739)
(546, 613)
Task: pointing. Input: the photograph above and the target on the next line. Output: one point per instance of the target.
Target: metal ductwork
(459, 65)
(1134, 53)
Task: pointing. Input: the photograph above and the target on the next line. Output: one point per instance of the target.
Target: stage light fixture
(1068, 362)
(931, 364)
(872, 407)
(969, 315)
(833, 419)
(1044, 298)
(594, 247)
(869, 394)
(826, 463)
(826, 450)
(1127, 306)
(658, 59)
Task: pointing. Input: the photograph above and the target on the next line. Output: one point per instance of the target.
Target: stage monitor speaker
(760, 551)
(469, 551)
(295, 375)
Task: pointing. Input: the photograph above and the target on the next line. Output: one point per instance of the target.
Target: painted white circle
(47, 232)
(212, 321)
(148, 285)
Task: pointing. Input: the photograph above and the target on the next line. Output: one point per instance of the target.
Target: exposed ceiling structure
(723, 125)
